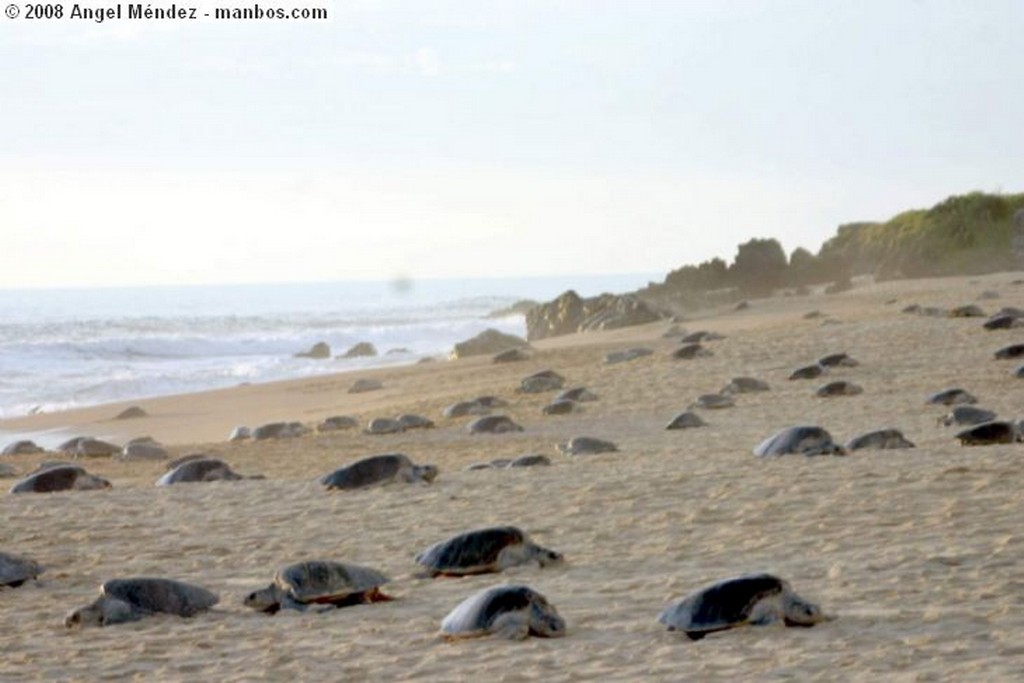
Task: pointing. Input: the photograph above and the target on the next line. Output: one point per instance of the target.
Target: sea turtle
(365, 384)
(463, 408)
(539, 382)
(1010, 352)
(578, 394)
(337, 423)
(1003, 322)
(493, 424)
(967, 415)
(279, 430)
(94, 448)
(483, 551)
(967, 311)
(22, 447)
(131, 599)
(880, 438)
(378, 469)
(143, 450)
(745, 385)
(951, 397)
(587, 445)
(240, 433)
(491, 401)
(532, 460)
(835, 360)
(130, 413)
(197, 470)
(15, 570)
(839, 388)
(561, 407)
(686, 420)
(626, 355)
(701, 335)
(690, 351)
(511, 356)
(59, 477)
(801, 440)
(413, 421)
(384, 425)
(513, 611)
(714, 401)
(754, 599)
(319, 582)
(987, 433)
(808, 372)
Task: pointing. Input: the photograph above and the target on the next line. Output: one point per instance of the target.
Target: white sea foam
(60, 349)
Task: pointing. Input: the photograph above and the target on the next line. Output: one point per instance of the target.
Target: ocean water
(66, 348)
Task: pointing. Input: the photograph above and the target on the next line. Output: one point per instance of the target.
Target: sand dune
(919, 553)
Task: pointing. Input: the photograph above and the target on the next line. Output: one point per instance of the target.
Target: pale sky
(486, 138)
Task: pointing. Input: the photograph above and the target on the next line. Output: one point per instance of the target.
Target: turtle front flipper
(511, 625)
(288, 602)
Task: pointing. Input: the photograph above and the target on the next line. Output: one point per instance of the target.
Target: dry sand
(919, 553)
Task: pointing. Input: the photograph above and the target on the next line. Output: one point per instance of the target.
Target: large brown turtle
(752, 599)
(378, 469)
(483, 551)
(59, 477)
(15, 570)
(319, 582)
(515, 612)
(132, 599)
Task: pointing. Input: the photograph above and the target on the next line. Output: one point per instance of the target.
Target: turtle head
(546, 558)
(545, 620)
(264, 600)
(101, 612)
(427, 472)
(799, 612)
(89, 615)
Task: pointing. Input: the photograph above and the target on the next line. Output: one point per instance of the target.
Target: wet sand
(919, 553)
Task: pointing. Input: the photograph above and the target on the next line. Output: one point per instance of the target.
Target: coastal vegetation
(962, 235)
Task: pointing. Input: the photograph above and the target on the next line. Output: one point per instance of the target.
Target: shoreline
(916, 551)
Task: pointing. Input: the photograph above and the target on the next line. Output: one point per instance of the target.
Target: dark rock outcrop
(490, 341)
(571, 313)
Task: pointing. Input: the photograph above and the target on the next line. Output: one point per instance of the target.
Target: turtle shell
(472, 552)
(15, 570)
(723, 605)
(806, 440)
(480, 614)
(325, 581)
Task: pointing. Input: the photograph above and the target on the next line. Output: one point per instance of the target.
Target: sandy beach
(919, 553)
